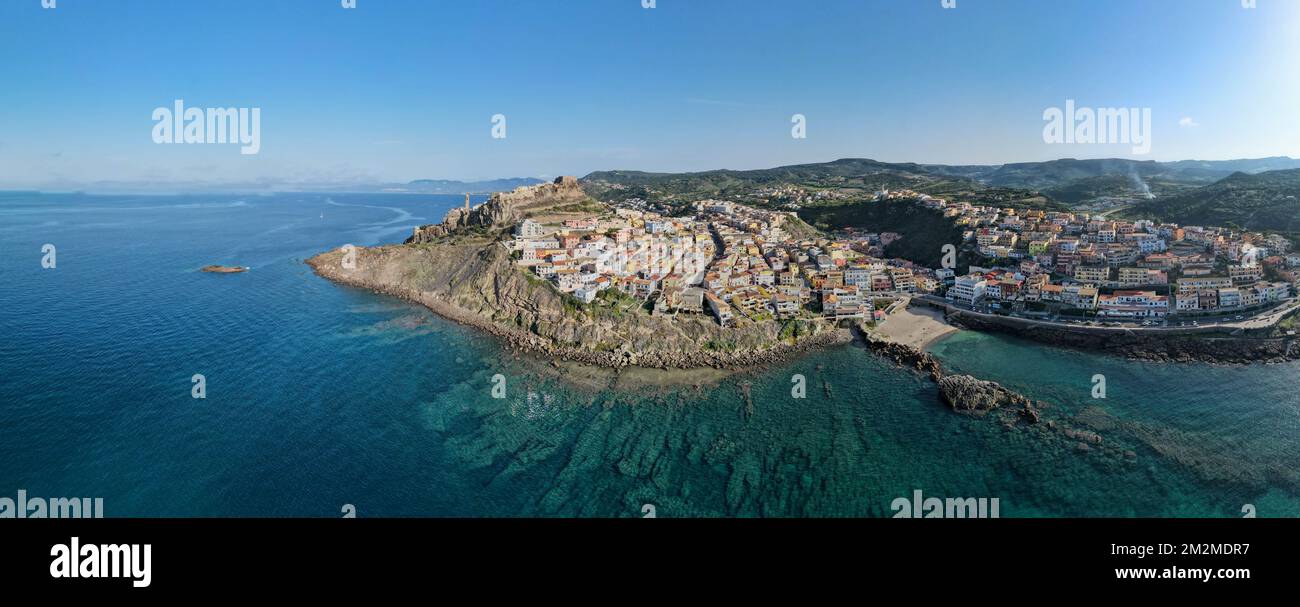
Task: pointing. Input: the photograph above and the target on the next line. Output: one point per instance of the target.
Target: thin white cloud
(1187, 122)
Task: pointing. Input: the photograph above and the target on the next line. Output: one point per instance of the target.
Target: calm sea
(320, 396)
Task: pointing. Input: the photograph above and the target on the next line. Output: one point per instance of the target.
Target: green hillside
(840, 181)
(1267, 201)
(925, 231)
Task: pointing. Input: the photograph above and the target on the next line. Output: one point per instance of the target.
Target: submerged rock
(1030, 414)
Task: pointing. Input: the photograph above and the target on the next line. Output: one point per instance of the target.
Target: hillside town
(1143, 270)
(737, 263)
(730, 260)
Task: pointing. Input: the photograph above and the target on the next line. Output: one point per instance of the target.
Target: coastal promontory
(466, 270)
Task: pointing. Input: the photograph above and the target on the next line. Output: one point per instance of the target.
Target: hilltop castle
(502, 208)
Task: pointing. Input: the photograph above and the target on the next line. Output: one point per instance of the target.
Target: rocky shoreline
(904, 356)
(523, 341)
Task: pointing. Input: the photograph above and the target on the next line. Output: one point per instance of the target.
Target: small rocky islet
(219, 269)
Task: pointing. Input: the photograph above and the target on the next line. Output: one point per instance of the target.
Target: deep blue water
(320, 395)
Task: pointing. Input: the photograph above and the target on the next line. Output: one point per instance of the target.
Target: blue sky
(405, 89)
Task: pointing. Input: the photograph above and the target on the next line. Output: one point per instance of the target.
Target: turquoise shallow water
(320, 396)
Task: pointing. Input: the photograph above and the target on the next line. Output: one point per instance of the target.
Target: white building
(1133, 304)
(968, 289)
(529, 229)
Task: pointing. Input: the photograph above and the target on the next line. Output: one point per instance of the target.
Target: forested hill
(1268, 201)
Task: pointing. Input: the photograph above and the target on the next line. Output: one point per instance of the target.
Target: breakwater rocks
(904, 356)
(1213, 345)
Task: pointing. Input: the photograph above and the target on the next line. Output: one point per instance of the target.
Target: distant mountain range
(848, 177)
(1053, 173)
(1255, 193)
(1258, 193)
(1067, 180)
(1074, 181)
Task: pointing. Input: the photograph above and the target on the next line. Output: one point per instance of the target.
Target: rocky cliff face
(476, 283)
(503, 209)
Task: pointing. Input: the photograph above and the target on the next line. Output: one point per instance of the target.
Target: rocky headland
(462, 271)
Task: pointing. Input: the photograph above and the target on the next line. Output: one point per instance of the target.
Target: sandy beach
(917, 326)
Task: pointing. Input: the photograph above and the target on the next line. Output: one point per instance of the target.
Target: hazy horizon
(272, 185)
